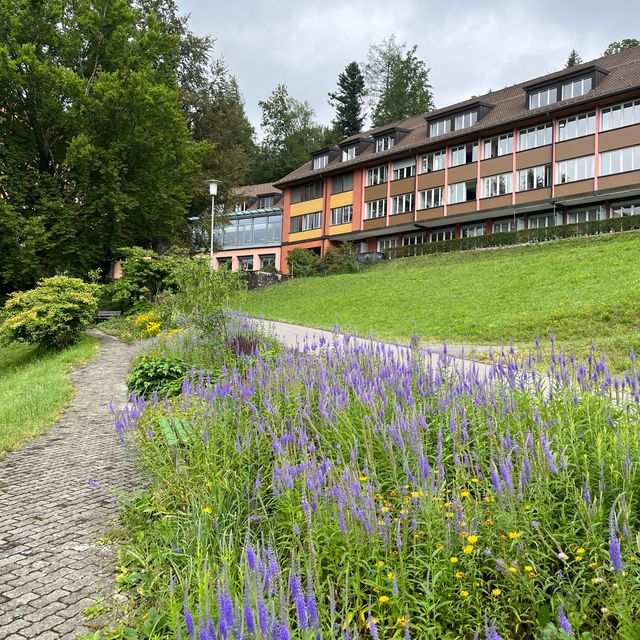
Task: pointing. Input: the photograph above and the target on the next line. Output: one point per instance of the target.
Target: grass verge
(582, 290)
(35, 388)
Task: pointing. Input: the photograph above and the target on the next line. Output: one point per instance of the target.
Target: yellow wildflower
(401, 622)
(439, 545)
(385, 509)
(580, 551)
(496, 592)
(453, 559)
(207, 509)
(528, 567)
(465, 493)
(468, 549)
(463, 593)
(383, 599)
(473, 539)
(464, 534)
(513, 569)
(488, 521)
(514, 535)
(460, 575)
(379, 564)
(364, 478)
(391, 575)
(578, 558)
(475, 480)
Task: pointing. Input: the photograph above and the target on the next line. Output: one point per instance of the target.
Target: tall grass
(364, 493)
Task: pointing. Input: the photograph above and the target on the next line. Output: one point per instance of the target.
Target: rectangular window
(342, 183)
(576, 88)
(534, 177)
(319, 162)
(432, 161)
(266, 202)
(377, 175)
(375, 209)
(342, 215)
(543, 98)
(498, 185)
(403, 168)
(413, 238)
(577, 126)
(384, 143)
(349, 153)
(574, 169)
(312, 221)
(440, 127)
(432, 198)
(497, 146)
(464, 154)
(508, 224)
(268, 261)
(465, 120)
(473, 231)
(622, 209)
(309, 191)
(246, 263)
(440, 235)
(387, 243)
(620, 115)
(534, 137)
(620, 160)
(545, 220)
(586, 215)
(462, 192)
(402, 204)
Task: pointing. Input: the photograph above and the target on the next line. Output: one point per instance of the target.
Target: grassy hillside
(581, 290)
(35, 388)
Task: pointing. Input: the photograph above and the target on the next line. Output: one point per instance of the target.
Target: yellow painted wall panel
(341, 199)
(340, 228)
(310, 206)
(305, 235)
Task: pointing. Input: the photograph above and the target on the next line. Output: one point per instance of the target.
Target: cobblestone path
(57, 500)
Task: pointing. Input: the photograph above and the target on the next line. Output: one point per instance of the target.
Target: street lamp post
(213, 191)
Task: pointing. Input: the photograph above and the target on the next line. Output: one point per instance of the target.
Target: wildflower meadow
(350, 489)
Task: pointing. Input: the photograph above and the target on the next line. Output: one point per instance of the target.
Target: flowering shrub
(148, 324)
(361, 492)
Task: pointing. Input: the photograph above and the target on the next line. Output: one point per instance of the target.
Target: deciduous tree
(617, 47)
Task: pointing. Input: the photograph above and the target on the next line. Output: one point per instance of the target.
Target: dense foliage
(362, 492)
(53, 314)
(348, 101)
(304, 262)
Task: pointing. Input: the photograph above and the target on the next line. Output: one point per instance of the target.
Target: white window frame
(375, 209)
(405, 168)
(508, 225)
(439, 127)
(578, 126)
(575, 169)
(459, 155)
(541, 173)
(465, 120)
(431, 198)
(497, 146)
(435, 159)
(548, 220)
(411, 239)
(402, 203)
(384, 143)
(349, 153)
(311, 221)
(588, 214)
(387, 243)
(620, 160)
(534, 137)
(341, 215)
(320, 162)
(625, 114)
(543, 97)
(473, 230)
(499, 185)
(577, 87)
(441, 235)
(376, 175)
(623, 209)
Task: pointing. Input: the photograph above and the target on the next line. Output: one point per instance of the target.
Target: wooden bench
(100, 316)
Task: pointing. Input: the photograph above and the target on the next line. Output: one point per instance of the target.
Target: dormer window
(576, 88)
(466, 120)
(319, 162)
(349, 153)
(384, 142)
(265, 202)
(439, 127)
(543, 97)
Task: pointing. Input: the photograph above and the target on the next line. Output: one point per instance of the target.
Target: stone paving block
(51, 568)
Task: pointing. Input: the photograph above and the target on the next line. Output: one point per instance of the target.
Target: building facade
(252, 239)
(561, 149)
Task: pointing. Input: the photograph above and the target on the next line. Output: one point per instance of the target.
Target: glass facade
(252, 231)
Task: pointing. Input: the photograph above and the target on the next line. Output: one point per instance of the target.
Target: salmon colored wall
(286, 213)
(256, 253)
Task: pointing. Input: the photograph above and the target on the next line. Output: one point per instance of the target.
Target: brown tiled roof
(256, 190)
(510, 107)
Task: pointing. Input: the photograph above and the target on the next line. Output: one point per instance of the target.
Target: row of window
(247, 263)
(255, 231)
(570, 89)
(399, 204)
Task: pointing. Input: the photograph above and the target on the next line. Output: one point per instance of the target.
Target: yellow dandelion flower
(385, 509)
(207, 509)
(463, 593)
(496, 592)
(532, 574)
(459, 574)
(475, 480)
(468, 549)
(465, 493)
(364, 478)
(514, 535)
(513, 569)
(379, 564)
(401, 622)
(439, 545)
(473, 539)
(453, 559)
(528, 567)
(464, 534)
(593, 565)
(578, 558)
(391, 575)
(383, 599)
(488, 521)
(580, 551)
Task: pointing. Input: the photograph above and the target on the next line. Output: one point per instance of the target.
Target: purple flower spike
(564, 623)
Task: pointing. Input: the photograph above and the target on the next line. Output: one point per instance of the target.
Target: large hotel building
(560, 149)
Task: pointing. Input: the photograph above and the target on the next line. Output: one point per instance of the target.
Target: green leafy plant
(161, 374)
(54, 314)
(340, 259)
(303, 263)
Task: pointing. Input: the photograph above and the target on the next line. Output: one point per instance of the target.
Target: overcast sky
(470, 46)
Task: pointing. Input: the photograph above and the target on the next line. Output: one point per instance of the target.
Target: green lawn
(581, 290)
(35, 388)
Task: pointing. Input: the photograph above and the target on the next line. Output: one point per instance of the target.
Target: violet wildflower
(564, 623)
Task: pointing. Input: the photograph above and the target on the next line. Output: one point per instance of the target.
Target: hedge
(626, 223)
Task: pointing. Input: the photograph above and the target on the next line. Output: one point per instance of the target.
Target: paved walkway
(56, 500)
